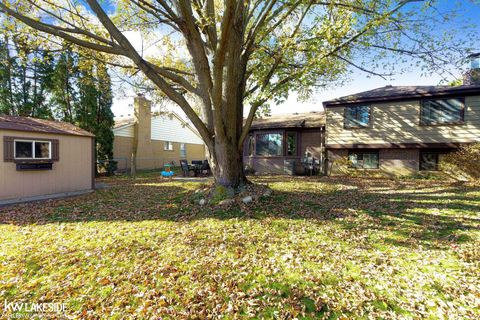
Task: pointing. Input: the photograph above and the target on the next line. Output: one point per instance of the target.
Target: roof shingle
(292, 120)
(388, 93)
(41, 125)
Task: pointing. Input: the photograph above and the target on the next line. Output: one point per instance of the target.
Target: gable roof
(123, 122)
(41, 125)
(126, 122)
(388, 93)
(312, 119)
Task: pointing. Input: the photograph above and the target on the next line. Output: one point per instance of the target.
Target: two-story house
(401, 129)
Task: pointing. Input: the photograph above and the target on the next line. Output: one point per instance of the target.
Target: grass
(331, 248)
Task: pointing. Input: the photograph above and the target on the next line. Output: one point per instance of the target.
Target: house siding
(126, 131)
(164, 128)
(156, 157)
(398, 122)
(169, 128)
(73, 172)
(153, 132)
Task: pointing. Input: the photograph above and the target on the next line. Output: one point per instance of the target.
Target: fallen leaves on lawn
(317, 248)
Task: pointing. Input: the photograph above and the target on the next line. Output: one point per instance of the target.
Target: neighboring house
(277, 144)
(161, 138)
(400, 130)
(43, 159)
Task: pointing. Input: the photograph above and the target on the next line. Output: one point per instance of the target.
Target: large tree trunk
(226, 162)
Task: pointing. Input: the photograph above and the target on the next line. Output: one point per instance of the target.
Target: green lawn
(332, 248)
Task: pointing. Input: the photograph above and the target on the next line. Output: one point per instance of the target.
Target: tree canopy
(217, 57)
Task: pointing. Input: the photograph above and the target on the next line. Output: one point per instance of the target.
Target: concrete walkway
(193, 179)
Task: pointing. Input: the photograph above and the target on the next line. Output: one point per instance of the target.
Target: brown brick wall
(311, 141)
(334, 157)
(399, 162)
(393, 162)
(308, 140)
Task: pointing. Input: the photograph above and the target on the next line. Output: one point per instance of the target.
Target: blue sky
(359, 81)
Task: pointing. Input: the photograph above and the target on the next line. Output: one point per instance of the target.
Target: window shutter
(55, 150)
(8, 155)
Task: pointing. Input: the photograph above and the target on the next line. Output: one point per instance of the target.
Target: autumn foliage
(317, 248)
(463, 164)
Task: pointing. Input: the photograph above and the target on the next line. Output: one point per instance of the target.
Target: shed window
(31, 149)
(357, 117)
(168, 146)
(364, 159)
(269, 144)
(442, 111)
(429, 161)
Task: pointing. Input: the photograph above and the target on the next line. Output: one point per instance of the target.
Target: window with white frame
(32, 149)
(168, 146)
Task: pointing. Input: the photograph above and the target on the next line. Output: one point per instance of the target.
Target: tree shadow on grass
(416, 210)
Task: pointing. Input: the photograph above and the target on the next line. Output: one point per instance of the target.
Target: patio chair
(186, 168)
(198, 163)
(205, 168)
(309, 164)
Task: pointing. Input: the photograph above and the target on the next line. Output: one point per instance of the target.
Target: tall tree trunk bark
(226, 162)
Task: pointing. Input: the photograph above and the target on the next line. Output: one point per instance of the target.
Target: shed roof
(314, 119)
(388, 93)
(41, 125)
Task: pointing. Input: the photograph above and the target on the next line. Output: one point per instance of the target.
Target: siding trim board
(444, 95)
(396, 145)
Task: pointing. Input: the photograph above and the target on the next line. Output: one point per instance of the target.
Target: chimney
(143, 127)
(472, 76)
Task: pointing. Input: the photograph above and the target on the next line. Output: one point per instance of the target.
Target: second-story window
(442, 111)
(357, 117)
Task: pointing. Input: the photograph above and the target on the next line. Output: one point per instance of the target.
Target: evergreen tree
(93, 112)
(25, 78)
(42, 84)
(86, 109)
(6, 66)
(36, 83)
(64, 92)
(105, 118)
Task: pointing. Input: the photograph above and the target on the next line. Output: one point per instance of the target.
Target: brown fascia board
(266, 128)
(451, 93)
(417, 145)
